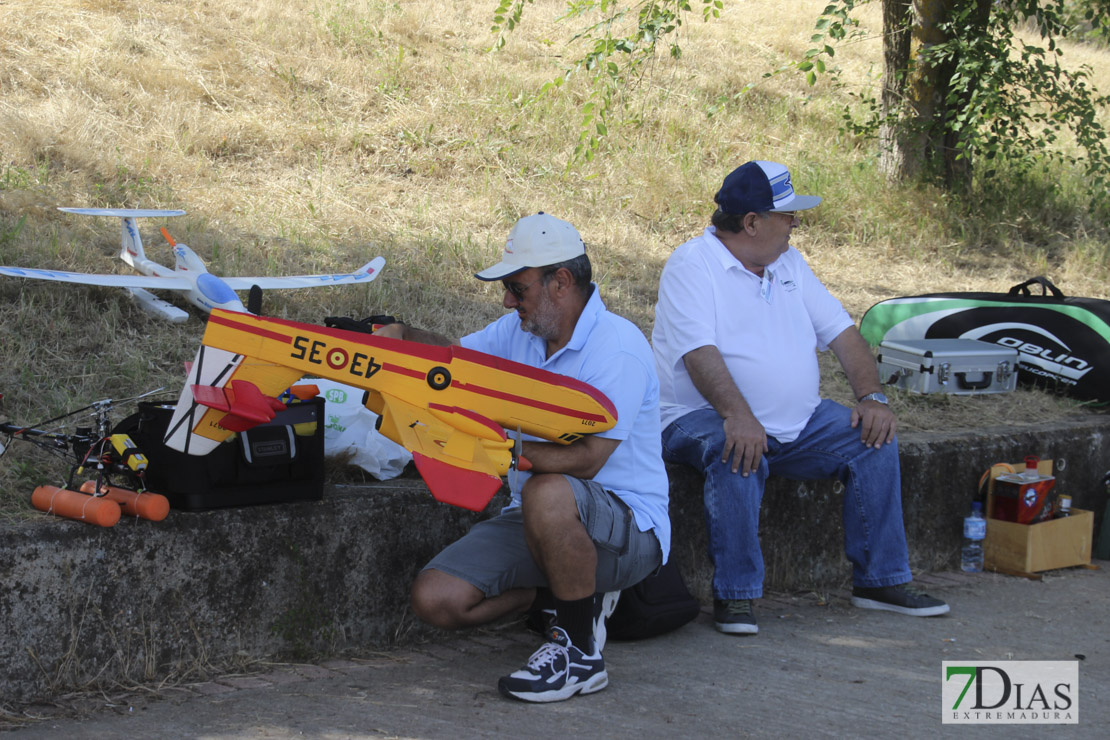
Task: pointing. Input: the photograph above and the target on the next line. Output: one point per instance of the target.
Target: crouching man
(591, 517)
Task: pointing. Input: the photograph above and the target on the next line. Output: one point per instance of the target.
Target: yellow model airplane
(449, 406)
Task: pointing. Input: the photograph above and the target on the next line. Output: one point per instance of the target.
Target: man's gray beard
(543, 321)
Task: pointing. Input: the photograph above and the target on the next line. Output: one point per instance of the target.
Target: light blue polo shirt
(611, 354)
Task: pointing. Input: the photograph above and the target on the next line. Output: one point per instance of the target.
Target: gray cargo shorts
(494, 557)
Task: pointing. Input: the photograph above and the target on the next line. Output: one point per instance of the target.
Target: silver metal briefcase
(957, 366)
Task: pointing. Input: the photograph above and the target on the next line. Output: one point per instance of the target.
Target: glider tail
(131, 246)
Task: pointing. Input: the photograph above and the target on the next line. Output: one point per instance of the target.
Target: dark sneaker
(557, 671)
(541, 617)
(735, 616)
(604, 606)
(540, 621)
(904, 599)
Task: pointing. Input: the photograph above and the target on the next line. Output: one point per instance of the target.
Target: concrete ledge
(141, 601)
(145, 600)
(800, 524)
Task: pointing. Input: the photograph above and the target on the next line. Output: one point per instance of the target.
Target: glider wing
(364, 274)
(115, 281)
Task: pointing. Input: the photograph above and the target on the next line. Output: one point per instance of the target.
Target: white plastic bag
(349, 431)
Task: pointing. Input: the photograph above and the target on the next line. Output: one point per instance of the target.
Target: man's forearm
(711, 377)
(855, 357)
(581, 459)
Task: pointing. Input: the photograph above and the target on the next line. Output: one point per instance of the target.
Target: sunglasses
(519, 290)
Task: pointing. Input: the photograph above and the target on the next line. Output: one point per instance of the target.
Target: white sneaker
(557, 671)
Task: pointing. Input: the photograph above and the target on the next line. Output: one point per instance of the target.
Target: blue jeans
(828, 447)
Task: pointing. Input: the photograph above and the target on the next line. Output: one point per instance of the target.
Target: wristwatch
(874, 397)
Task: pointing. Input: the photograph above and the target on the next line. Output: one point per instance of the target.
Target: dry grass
(309, 135)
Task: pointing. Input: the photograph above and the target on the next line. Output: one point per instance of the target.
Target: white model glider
(189, 276)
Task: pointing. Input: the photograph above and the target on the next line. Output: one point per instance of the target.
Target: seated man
(738, 321)
(591, 516)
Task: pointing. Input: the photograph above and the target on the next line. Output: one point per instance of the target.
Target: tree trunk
(912, 93)
(899, 154)
(915, 101)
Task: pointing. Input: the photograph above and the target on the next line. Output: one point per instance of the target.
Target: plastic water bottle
(975, 529)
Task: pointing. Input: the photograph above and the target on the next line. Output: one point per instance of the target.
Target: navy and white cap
(759, 186)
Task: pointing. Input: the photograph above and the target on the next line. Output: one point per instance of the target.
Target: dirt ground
(818, 667)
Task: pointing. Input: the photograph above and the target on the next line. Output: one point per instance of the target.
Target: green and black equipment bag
(1063, 343)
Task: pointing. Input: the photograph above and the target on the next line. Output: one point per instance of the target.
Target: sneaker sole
(927, 611)
(596, 683)
(737, 629)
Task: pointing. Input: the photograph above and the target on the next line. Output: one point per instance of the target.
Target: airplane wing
(460, 455)
(115, 281)
(364, 274)
(124, 212)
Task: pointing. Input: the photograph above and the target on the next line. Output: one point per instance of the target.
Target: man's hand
(875, 420)
(396, 330)
(876, 423)
(745, 437)
(745, 443)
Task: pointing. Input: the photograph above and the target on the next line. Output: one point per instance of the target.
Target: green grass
(310, 136)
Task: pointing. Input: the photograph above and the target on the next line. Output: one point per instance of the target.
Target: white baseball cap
(536, 241)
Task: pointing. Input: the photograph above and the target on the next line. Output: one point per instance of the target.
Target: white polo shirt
(767, 330)
(610, 353)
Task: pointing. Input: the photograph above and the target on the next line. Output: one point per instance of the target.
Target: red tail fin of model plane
(245, 405)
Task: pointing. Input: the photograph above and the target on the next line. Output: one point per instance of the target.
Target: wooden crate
(1032, 548)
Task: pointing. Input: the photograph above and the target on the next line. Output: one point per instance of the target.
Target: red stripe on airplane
(483, 391)
(402, 370)
(491, 393)
(527, 371)
(256, 330)
(415, 349)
